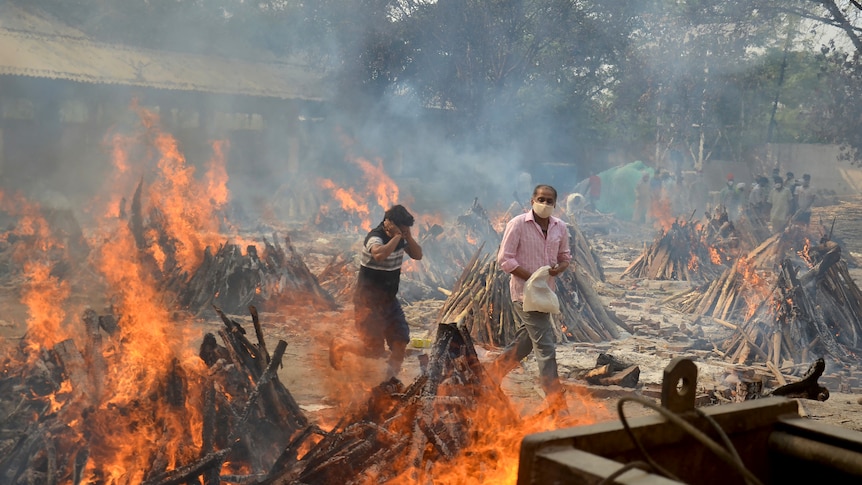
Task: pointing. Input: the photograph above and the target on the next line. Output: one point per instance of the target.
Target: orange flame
(379, 183)
(694, 262)
(349, 201)
(754, 287)
(43, 293)
(126, 430)
(715, 256)
(378, 187)
(805, 253)
(188, 208)
(662, 213)
(492, 456)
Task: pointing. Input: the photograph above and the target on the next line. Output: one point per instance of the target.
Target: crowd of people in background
(662, 195)
(787, 200)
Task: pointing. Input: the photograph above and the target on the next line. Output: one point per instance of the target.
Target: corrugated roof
(50, 51)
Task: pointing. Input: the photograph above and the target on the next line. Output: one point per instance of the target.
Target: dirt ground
(320, 390)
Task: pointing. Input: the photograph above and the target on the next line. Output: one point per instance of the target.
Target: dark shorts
(380, 320)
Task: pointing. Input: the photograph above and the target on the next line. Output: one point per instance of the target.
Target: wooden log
(187, 473)
(776, 348)
(595, 373)
(627, 377)
(77, 371)
(208, 433)
(777, 373)
(808, 387)
(261, 342)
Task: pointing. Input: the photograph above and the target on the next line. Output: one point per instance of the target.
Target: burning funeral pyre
(684, 251)
(412, 433)
(118, 395)
(786, 301)
(225, 412)
(233, 279)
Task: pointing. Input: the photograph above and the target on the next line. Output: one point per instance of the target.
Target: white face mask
(543, 210)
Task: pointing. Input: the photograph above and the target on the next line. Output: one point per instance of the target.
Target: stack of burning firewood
(684, 252)
(404, 432)
(482, 303)
(233, 279)
(740, 288)
(815, 313)
(784, 304)
(61, 425)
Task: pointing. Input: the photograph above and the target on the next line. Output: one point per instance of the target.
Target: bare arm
(558, 268)
(396, 233)
(413, 249)
(520, 272)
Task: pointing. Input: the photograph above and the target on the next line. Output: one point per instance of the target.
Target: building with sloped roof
(60, 92)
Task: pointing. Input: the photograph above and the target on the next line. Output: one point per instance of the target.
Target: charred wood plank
(808, 387)
(186, 473)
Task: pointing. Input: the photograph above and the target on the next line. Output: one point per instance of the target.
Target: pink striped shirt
(524, 245)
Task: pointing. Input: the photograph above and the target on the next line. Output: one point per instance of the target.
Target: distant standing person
(378, 315)
(698, 193)
(780, 199)
(594, 189)
(790, 184)
(758, 198)
(730, 197)
(533, 240)
(642, 200)
(804, 200)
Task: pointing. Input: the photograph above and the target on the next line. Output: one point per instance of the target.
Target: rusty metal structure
(759, 441)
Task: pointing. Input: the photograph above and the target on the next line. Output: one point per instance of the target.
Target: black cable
(729, 455)
(641, 465)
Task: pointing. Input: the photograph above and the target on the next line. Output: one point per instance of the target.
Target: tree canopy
(711, 78)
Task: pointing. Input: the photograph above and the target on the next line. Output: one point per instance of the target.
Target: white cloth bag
(538, 296)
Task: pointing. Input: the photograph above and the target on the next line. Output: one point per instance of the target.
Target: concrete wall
(822, 162)
(829, 173)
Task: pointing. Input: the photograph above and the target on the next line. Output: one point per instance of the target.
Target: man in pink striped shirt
(532, 240)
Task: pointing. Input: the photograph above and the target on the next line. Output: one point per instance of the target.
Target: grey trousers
(534, 332)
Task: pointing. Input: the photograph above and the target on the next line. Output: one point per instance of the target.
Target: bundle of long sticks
(788, 326)
(739, 290)
(584, 254)
(681, 252)
(482, 303)
(234, 278)
(784, 314)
